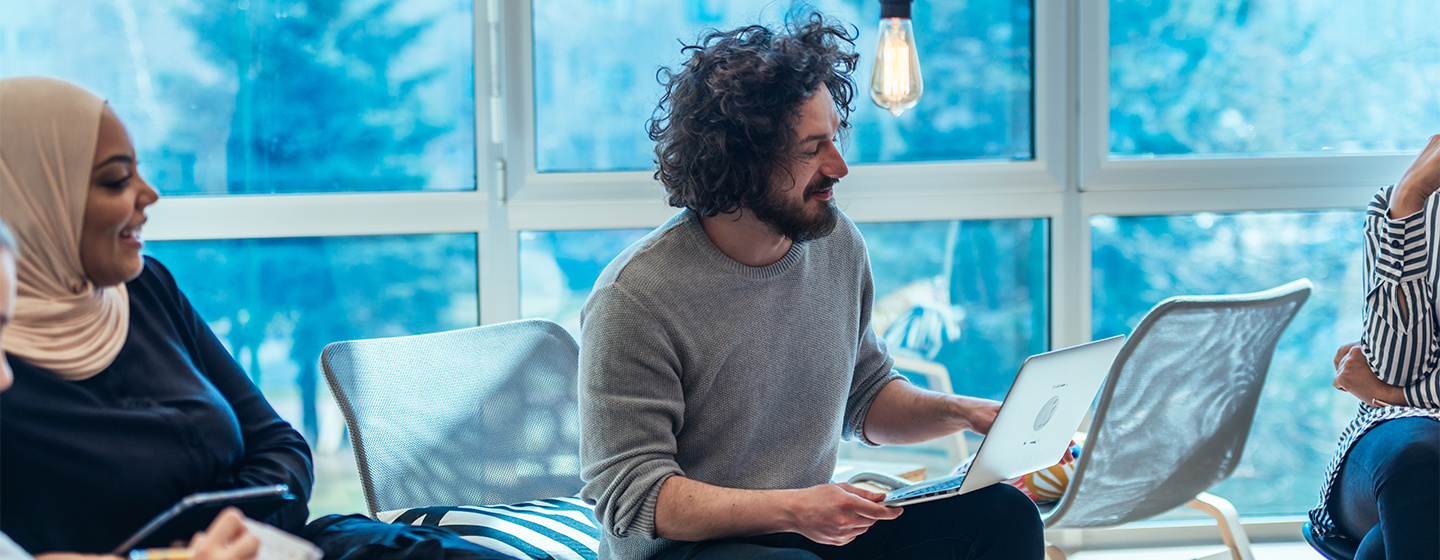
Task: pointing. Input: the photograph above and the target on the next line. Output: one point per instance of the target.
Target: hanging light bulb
(895, 84)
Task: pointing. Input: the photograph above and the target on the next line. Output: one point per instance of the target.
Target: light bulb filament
(897, 68)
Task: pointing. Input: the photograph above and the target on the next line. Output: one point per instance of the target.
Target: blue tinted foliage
(269, 96)
(323, 102)
(1220, 77)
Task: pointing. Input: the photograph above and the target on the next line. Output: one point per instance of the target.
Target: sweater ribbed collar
(690, 223)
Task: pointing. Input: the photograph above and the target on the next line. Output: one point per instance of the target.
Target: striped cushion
(550, 529)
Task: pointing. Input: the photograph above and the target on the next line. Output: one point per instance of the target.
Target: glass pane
(968, 295)
(269, 96)
(559, 268)
(275, 303)
(595, 88)
(1226, 77)
(1139, 261)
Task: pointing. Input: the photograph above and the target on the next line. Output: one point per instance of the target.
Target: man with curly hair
(725, 355)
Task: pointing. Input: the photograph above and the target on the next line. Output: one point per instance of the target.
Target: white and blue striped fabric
(1401, 340)
(549, 529)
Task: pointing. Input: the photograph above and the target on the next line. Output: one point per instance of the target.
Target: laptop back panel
(1046, 403)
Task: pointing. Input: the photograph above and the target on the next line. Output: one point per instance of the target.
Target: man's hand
(1418, 182)
(903, 414)
(834, 514)
(687, 510)
(980, 413)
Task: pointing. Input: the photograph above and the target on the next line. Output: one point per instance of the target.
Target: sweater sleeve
(1399, 339)
(274, 452)
(873, 366)
(630, 395)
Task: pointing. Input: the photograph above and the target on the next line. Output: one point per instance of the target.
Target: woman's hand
(225, 539)
(1067, 458)
(1418, 182)
(1340, 354)
(1354, 375)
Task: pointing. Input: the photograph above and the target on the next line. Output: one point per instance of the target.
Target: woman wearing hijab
(225, 539)
(123, 400)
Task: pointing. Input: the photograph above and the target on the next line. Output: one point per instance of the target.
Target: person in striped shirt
(1382, 488)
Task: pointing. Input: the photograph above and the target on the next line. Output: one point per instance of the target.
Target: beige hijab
(63, 322)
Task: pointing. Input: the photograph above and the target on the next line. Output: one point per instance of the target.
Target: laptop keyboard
(942, 485)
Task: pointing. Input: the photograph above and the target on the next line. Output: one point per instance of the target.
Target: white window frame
(1069, 181)
(876, 192)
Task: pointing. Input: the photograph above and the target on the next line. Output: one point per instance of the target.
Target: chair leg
(1053, 552)
(1225, 515)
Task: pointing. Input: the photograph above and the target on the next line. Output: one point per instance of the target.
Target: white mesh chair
(484, 415)
(1176, 411)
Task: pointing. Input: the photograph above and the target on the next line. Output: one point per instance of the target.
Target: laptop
(1050, 396)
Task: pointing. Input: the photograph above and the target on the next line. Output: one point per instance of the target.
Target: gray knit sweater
(696, 365)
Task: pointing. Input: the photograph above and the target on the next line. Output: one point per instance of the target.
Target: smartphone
(194, 513)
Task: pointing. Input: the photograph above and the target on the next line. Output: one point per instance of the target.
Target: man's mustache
(822, 184)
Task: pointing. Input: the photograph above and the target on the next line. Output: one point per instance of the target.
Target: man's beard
(791, 221)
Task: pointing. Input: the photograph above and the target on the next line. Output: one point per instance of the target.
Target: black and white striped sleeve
(1400, 333)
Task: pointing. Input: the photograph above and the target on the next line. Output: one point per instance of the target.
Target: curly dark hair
(726, 121)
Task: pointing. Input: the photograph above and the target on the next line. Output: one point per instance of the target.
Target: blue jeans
(998, 522)
(1387, 494)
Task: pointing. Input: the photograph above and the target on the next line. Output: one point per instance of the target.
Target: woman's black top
(84, 464)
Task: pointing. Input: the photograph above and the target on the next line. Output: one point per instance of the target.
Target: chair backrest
(483, 415)
(1176, 410)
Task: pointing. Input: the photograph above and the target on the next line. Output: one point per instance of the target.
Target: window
(968, 294)
(591, 103)
(1220, 77)
(269, 97)
(1229, 147)
(559, 268)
